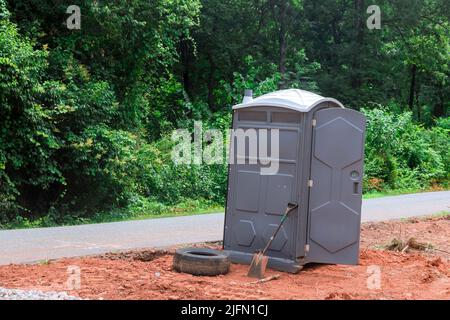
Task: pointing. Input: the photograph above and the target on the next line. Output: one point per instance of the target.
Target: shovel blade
(258, 266)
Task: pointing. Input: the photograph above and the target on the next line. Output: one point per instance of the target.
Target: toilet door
(256, 202)
(335, 198)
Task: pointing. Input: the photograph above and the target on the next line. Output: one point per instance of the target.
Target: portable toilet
(319, 166)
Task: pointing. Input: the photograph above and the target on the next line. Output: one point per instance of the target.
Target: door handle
(355, 187)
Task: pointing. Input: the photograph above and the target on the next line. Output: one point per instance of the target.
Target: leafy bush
(27, 137)
(401, 154)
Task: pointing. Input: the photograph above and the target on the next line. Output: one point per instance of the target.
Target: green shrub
(403, 154)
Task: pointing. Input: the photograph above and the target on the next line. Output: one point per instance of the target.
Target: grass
(442, 214)
(118, 216)
(397, 192)
(44, 262)
(147, 211)
(142, 209)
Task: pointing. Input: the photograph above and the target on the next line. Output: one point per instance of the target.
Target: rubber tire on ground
(201, 261)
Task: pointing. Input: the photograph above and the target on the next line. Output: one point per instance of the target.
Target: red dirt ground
(147, 274)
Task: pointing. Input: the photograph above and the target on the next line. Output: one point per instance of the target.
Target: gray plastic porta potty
(321, 150)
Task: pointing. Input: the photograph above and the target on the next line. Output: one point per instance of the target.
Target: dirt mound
(140, 255)
(148, 274)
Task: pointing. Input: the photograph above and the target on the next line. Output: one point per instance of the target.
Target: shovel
(259, 261)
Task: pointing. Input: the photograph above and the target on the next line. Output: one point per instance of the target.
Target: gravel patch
(15, 294)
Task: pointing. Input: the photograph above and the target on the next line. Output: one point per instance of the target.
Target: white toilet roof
(295, 99)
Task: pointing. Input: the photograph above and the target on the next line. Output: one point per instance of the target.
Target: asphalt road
(31, 245)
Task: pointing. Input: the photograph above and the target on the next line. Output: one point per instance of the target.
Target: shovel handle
(290, 207)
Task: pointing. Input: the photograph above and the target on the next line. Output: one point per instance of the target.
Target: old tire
(201, 261)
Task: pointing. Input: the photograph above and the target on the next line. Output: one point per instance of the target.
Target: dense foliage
(86, 115)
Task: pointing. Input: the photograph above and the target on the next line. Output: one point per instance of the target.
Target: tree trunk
(282, 41)
(419, 111)
(356, 80)
(336, 32)
(212, 68)
(438, 110)
(186, 65)
(412, 87)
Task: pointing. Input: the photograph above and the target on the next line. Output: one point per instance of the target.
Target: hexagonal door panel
(334, 226)
(244, 232)
(279, 241)
(338, 143)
